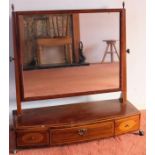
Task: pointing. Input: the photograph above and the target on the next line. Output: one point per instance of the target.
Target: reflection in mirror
(69, 54)
(45, 40)
(100, 35)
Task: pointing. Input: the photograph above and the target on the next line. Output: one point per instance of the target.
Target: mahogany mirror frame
(17, 55)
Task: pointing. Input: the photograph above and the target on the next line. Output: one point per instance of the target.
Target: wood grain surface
(73, 114)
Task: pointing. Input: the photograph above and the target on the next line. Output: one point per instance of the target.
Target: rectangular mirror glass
(69, 54)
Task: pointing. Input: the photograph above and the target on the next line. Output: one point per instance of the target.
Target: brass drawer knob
(82, 132)
(127, 125)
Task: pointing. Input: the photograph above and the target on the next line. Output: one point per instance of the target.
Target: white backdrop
(136, 17)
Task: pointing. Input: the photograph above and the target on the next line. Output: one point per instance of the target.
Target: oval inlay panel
(32, 138)
(127, 125)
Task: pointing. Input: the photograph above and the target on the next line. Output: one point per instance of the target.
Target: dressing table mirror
(68, 53)
(52, 67)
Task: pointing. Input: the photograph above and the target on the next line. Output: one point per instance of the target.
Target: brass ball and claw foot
(141, 133)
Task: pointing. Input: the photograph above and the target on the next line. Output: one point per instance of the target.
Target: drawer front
(32, 138)
(127, 125)
(81, 133)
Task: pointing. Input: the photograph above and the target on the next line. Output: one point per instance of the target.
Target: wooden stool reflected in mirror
(111, 44)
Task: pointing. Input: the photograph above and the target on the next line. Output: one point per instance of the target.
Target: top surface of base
(72, 114)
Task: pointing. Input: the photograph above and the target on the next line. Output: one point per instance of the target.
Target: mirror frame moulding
(18, 69)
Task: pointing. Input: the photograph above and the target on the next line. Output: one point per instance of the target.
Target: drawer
(81, 133)
(127, 125)
(32, 138)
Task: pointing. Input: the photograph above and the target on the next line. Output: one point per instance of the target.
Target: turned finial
(123, 4)
(12, 7)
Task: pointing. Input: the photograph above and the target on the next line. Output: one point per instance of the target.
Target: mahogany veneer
(32, 138)
(70, 123)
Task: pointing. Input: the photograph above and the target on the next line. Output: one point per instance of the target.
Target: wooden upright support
(17, 63)
(123, 78)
